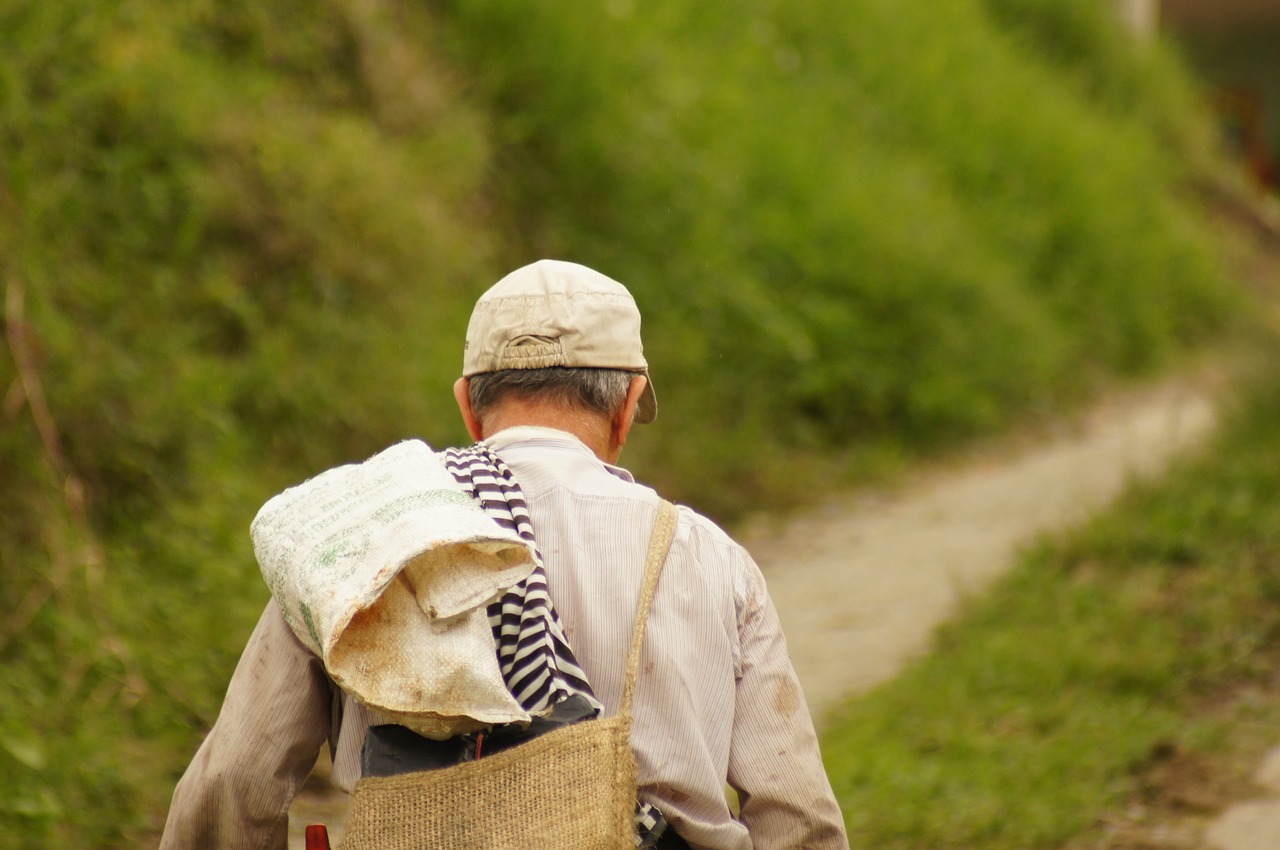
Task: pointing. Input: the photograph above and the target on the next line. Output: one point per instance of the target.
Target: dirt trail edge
(861, 586)
(862, 583)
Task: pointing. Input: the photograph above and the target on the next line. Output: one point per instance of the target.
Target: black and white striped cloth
(533, 654)
(536, 660)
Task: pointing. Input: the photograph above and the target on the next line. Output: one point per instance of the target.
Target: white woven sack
(385, 570)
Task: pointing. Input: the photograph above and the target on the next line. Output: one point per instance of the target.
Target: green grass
(873, 188)
(248, 237)
(1040, 711)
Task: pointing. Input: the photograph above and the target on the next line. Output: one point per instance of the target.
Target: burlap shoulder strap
(664, 530)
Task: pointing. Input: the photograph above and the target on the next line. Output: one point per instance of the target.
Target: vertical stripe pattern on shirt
(536, 660)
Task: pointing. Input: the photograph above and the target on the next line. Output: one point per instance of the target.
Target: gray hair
(598, 390)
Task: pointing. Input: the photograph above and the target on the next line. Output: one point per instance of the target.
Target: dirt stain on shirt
(786, 698)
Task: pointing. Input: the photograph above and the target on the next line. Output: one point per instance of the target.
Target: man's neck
(592, 429)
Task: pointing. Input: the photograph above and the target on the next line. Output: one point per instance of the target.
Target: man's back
(716, 696)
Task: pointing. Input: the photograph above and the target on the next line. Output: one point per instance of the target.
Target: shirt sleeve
(774, 762)
(276, 715)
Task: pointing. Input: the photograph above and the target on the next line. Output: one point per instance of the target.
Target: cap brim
(647, 409)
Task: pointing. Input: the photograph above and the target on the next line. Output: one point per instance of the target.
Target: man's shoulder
(695, 520)
(706, 536)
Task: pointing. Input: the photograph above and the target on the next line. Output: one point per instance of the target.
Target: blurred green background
(239, 243)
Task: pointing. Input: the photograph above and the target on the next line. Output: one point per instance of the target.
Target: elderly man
(554, 375)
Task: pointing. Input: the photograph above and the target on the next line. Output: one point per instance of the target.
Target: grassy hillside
(239, 243)
(852, 220)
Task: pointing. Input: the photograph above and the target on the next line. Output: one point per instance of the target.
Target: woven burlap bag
(574, 787)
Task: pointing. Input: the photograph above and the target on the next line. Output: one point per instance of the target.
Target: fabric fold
(385, 570)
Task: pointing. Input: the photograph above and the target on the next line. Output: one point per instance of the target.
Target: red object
(317, 837)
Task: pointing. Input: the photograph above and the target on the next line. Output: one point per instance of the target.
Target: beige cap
(554, 313)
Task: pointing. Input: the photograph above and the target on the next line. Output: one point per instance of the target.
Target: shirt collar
(538, 435)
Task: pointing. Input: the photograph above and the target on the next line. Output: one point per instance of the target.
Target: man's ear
(462, 395)
(621, 423)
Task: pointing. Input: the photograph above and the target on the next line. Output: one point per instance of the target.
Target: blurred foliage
(881, 213)
(242, 236)
(239, 243)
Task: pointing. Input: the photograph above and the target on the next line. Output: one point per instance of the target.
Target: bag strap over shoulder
(664, 531)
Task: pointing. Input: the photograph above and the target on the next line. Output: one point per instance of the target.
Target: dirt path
(862, 583)
(1252, 824)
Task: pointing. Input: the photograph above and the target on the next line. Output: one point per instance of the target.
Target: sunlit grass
(249, 235)
(1042, 708)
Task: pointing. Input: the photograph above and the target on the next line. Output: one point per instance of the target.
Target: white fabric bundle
(385, 570)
